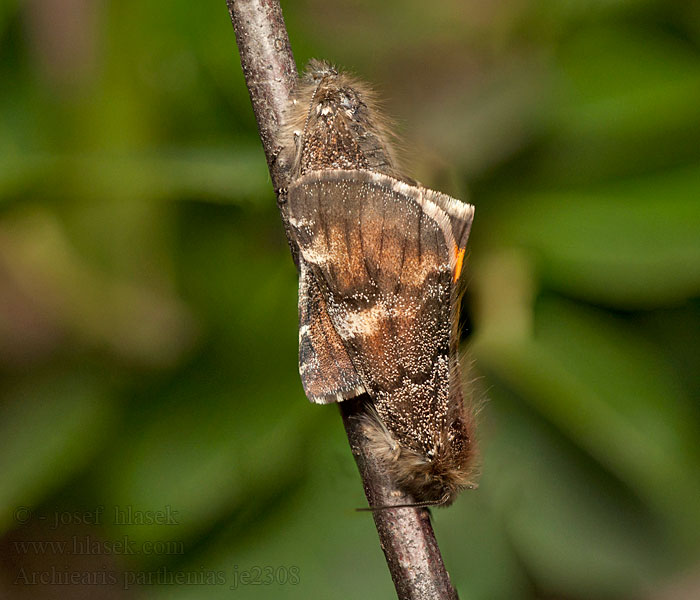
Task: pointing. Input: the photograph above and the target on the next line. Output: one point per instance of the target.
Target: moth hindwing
(327, 373)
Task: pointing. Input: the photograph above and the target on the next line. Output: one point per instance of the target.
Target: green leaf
(612, 393)
(634, 244)
(214, 444)
(626, 102)
(234, 176)
(51, 427)
(568, 522)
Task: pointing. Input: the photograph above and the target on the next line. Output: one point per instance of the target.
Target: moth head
(333, 95)
(331, 100)
(328, 95)
(317, 69)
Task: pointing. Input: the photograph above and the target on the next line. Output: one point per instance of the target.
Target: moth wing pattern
(460, 217)
(327, 373)
(383, 254)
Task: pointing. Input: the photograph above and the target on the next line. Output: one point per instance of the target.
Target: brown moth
(380, 259)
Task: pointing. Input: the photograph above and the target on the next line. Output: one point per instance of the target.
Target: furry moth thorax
(333, 122)
(380, 261)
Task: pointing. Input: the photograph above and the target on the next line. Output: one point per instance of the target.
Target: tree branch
(406, 534)
(268, 67)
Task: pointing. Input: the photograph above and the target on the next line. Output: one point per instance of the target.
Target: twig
(406, 534)
(268, 67)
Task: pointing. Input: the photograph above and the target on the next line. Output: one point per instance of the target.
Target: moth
(380, 261)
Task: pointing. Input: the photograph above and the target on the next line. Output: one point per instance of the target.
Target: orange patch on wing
(459, 256)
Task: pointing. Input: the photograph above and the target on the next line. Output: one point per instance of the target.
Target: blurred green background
(148, 335)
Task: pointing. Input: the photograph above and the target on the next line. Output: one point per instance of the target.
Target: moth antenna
(407, 505)
(311, 105)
